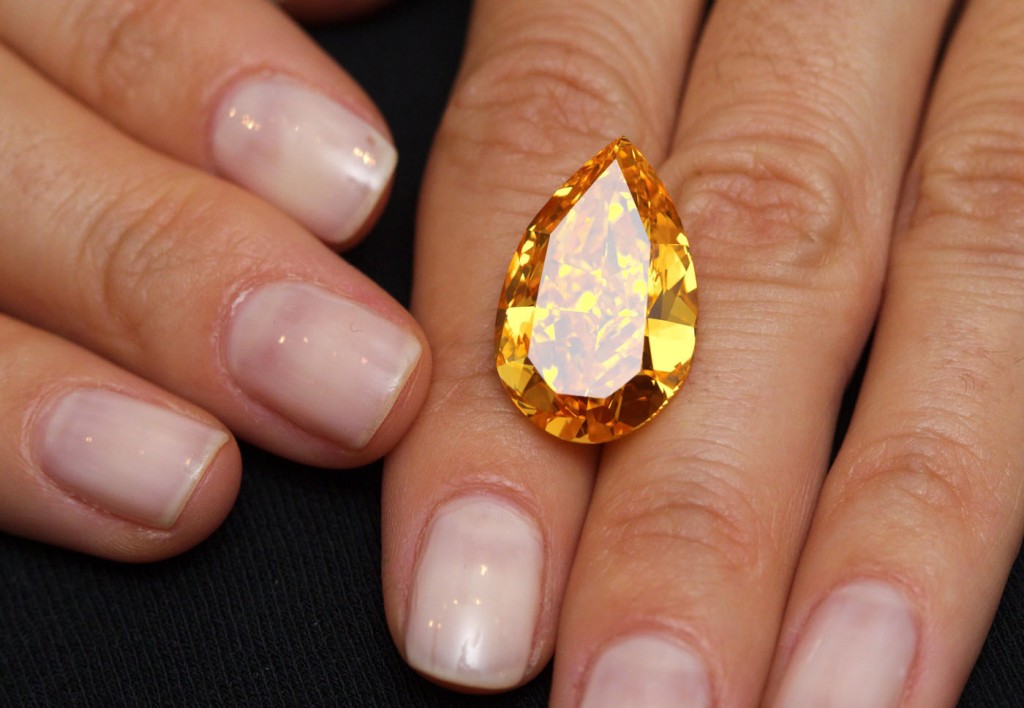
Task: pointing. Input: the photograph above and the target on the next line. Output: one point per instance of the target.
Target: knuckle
(135, 250)
(702, 518)
(122, 42)
(977, 176)
(924, 476)
(775, 200)
(771, 213)
(532, 97)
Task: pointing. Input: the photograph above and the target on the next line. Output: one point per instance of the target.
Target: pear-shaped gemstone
(595, 326)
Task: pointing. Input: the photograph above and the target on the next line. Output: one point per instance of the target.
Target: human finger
(95, 459)
(197, 285)
(232, 86)
(322, 10)
(792, 141)
(483, 511)
(921, 516)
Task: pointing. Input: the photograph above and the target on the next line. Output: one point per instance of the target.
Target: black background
(282, 606)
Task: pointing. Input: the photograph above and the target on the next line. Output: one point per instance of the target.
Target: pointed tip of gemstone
(595, 327)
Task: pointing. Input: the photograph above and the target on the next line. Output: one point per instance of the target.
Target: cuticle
(886, 578)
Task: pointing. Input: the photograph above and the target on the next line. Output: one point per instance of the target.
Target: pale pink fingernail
(310, 156)
(332, 366)
(855, 652)
(476, 595)
(131, 458)
(647, 670)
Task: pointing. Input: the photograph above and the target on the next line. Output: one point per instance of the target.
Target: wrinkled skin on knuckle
(147, 248)
(926, 481)
(971, 159)
(770, 219)
(123, 45)
(977, 178)
(701, 518)
(784, 201)
(528, 102)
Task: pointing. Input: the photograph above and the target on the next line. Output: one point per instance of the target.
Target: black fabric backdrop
(282, 606)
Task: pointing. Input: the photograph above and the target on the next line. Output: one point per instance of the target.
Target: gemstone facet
(595, 325)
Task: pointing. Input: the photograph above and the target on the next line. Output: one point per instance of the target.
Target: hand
(166, 166)
(707, 560)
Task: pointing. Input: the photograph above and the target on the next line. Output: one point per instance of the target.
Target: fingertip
(363, 232)
(98, 532)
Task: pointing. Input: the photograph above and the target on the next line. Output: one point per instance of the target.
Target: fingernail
(332, 366)
(308, 155)
(647, 670)
(131, 458)
(476, 595)
(856, 650)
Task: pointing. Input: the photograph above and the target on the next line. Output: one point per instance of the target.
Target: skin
(826, 186)
(786, 149)
(104, 301)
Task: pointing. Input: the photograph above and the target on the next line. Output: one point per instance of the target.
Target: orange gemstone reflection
(595, 326)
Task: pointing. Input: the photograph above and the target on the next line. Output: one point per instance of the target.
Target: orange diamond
(595, 327)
